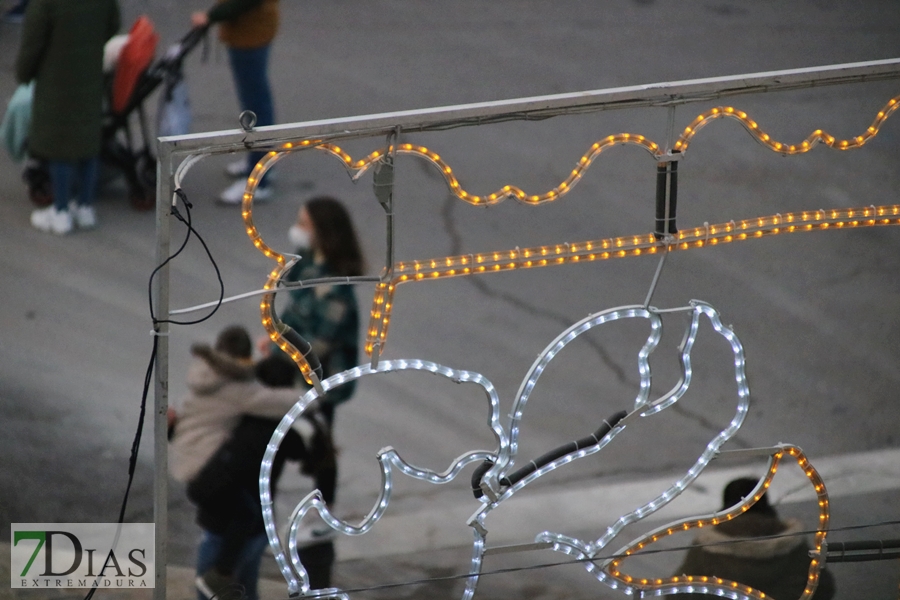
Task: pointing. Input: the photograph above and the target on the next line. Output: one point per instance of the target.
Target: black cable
(190, 230)
(576, 561)
(148, 375)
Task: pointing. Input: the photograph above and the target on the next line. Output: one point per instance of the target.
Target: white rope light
(293, 571)
(497, 480)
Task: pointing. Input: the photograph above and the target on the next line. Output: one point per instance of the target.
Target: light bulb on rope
(388, 459)
(359, 167)
(503, 459)
(643, 408)
(613, 248)
(714, 585)
(816, 137)
(273, 326)
(577, 252)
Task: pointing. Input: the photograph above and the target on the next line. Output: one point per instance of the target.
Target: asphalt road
(818, 313)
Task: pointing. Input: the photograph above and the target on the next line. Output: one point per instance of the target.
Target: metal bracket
(383, 186)
(383, 182)
(666, 195)
(247, 120)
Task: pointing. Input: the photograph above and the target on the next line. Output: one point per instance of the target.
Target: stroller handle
(177, 51)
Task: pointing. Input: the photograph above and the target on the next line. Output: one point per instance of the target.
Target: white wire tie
(158, 333)
(706, 224)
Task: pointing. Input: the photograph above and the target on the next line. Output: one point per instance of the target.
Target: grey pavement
(818, 314)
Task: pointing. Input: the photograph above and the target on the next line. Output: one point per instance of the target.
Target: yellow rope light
(611, 248)
(567, 253)
(649, 584)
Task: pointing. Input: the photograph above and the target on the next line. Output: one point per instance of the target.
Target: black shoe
(213, 584)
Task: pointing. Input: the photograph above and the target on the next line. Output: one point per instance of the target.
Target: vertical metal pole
(383, 184)
(161, 373)
(387, 199)
(670, 129)
(659, 267)
(667, 184)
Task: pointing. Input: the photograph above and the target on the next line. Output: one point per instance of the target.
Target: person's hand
(264, 346)
(171, 421)
(199, 19)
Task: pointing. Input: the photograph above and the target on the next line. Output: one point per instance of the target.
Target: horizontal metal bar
(287, 286)
(538, 107)
(748, 452)
(863, 545)
(518, 548)
(859, 551)
(862, 556)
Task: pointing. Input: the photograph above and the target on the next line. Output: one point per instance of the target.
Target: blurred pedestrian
(756, 548)
(326, 316)
(62, 52)
(247, 28)
(226, 492)
(222, 388)
(16, 14)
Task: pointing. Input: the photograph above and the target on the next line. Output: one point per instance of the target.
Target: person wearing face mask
(326, 316)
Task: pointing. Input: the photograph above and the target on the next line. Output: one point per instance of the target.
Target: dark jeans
(62, 175)
(250, 69)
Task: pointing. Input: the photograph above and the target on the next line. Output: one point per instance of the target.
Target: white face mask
(298, 236)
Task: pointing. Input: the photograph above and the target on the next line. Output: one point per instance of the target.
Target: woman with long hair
(326, 316)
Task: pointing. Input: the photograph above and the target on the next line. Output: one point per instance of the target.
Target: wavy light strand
(359, 167)
(559, 254)
(714, 585)
(505, 461)
(269, 319)
(766, 140)
(389, 461)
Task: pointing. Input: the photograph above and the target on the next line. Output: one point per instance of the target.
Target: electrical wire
(179, 193)
(540, 566)
(148, 375)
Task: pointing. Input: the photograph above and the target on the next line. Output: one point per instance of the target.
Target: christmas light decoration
(379, 320)
(499, 482)
(497, 479)
(613, 248)
(388, 458)
(610, 571)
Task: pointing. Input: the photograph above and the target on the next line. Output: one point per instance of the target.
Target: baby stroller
(135, 77)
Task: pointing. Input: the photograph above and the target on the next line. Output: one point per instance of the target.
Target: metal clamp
(666, 194)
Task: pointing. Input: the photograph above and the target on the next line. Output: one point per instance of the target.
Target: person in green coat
(62, 52)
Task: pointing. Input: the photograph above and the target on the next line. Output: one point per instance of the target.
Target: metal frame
(184, 151)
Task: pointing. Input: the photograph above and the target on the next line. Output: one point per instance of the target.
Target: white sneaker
(85, 217)
(234, 193)
(52, 221)
(238, 168)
